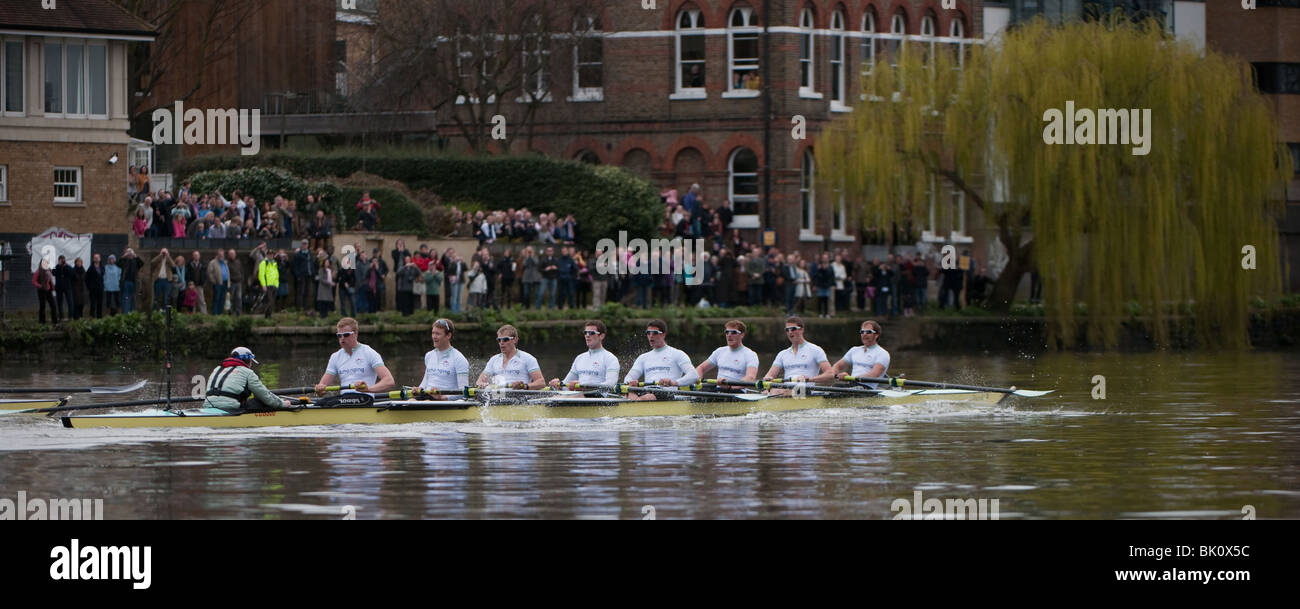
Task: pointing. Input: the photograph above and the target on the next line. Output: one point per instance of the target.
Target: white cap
(243, 353)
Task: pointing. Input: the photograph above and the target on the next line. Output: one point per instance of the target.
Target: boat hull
(465, 411)
(28, 404)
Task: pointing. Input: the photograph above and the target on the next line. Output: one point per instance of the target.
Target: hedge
(264, 183)
(603, 199)
(397, 213)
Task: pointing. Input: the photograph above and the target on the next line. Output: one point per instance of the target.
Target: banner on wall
(55, 242)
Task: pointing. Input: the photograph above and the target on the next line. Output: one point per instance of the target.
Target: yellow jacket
(268, 273)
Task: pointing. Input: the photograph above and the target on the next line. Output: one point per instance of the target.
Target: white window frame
(897, 32)
(807, 36)
(696, 28)
(22, 80)
(74, 200)
(808, 197)
(84, 100)
(838, 68)
(741, 220)
(840, 215)
(591, 27)
(750, 28)
(956, 29)
(541, 89)
(4, 185)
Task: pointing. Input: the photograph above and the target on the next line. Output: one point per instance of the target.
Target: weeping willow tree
(1159, 225)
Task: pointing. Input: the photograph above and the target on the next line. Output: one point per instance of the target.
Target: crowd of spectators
(514, 226)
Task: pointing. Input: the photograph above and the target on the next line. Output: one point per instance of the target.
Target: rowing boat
(411, 411)
(29, 404)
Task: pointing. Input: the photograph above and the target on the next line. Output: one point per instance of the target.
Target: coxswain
(233, 382)
(445, 369)
(355, 364)
(596, 366)
(513, 367)
(802, 361)
(867, 361)
(661, 365)
(734, 362)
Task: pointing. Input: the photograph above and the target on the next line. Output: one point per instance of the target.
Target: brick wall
(31, 207)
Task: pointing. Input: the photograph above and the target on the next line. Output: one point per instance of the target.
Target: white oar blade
(894, 393)
(123, 389)
(749, 397)
(1029, 393)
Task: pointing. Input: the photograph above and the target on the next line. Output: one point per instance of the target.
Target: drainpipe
(767, 116)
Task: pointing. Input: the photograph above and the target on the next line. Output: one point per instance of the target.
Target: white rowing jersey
(806, 362)
(733, 364)
(598, 367)
(357, 367)
(518, 370)
(663, 363)
(864, 359)
(445, 370)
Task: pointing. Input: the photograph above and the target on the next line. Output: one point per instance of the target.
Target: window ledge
(594, 95)
(809, 94)
(744, 221)
(69, 204)
(842, 237)
(740, 93)
(546, 99)
(689, 94)
(838, 107)
(809, 236)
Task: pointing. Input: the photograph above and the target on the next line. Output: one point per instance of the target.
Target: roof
(72, 16)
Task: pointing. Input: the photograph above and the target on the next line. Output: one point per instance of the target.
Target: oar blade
(1029, 393)
(136, 386)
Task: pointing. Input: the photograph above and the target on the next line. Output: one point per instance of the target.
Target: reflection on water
(1179, 436)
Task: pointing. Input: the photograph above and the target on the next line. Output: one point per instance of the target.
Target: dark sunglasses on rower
(732, 332)
(589, 332)
(867, 332)
(344, 334)
(505, 339)
(792, 328)
(653, 332)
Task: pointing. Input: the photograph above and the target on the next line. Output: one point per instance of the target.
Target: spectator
(400, 253)
(803, 285)
(977, 286)
(368, 217)
(550, 270)
(432, 278)
(190, 299)
(219, 276)
(95, 286)
(177, 289)
(841, 284)
(194, 271)
(382, 288)
(113, 285)
(130, 265)
(823, 281)
(374, 283)
(160, 271)
(79, 296)
(43, 281)
(532, 278)
(63, 280)
(236, 292)
(506, 271)
(455, 275)
(304, 273)
(319, 230)
(268, 277)
(325, 282)
(489, 269)
(347, 282)
(477, 285)
(282, 291)
(142, 185)
(920, 280)
(132, 185)
(140, 225)
(407, 274)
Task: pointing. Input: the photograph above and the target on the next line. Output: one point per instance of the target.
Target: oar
(153, 402)
(102, 390)
(806, 386)
(674, 391)
(900, 382)
(310, 389)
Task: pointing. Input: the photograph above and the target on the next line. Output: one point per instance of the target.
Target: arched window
(690, 52)
(588, 157)
(806, 82)
(927, 25)
(868, 41)
(838, 84)
(807, 196)
(588, 59)
(742, 169)
(742, 49)
(957, 29)
(536, 43)
(927, 31)
(897, 29)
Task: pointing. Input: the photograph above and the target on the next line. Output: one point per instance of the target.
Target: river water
(1189, 435)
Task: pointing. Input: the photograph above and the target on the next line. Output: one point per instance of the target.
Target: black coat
(95, 280)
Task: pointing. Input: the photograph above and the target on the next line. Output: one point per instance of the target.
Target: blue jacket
(112, 278)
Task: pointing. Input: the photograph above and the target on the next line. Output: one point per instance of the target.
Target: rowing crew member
(734, 362)
(868, 361)
(512, 367)
(662, 365)
(595, 367)
(801, 361)
(355, 364)
(444, 367)
(233, 382)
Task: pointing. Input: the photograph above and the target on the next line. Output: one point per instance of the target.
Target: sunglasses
(793, 328)
(867, 332)
(446, 325)
(653, 332)
(589, 332)
(733, 332)
(344, 334)
(505, 339)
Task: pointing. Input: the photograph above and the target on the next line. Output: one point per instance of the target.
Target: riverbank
(144, 337)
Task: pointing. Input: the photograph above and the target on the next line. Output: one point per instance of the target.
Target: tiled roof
(77, 16)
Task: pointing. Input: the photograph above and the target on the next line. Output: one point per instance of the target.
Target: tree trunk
(1020, 260)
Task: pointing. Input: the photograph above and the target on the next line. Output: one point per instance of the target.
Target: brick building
(64, 114)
